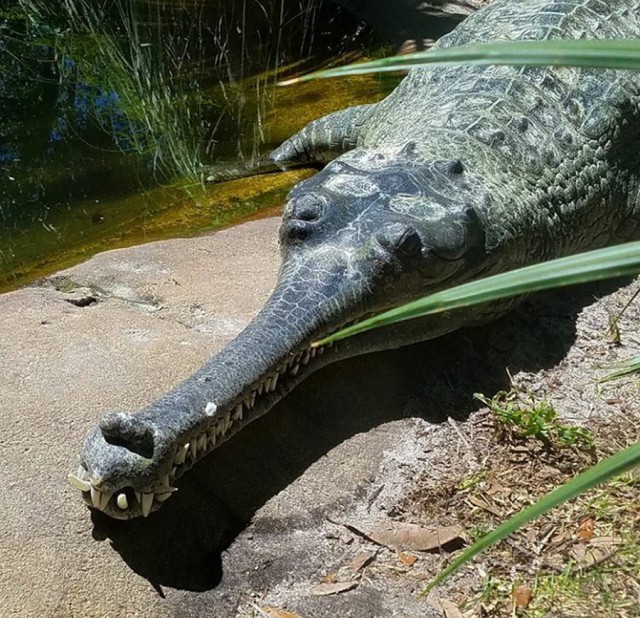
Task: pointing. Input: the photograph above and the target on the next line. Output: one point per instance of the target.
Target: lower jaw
(128, 503)
(221, 425)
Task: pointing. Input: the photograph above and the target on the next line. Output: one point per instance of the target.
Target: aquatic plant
(113, 74)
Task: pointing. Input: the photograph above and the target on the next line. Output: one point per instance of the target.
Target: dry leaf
(592, 557)
(323, 590)
(410, 536)
(586, 529)
(274, 612)
(494, 487)
(578, 552)
(362, 560)
(522, 596)
(476, 501)
(606, 541)
(407, 559)
(586, 555)
(560, 539)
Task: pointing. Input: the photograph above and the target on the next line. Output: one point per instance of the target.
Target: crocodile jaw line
(130, 502)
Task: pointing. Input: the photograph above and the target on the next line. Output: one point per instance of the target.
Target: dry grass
(582, 559)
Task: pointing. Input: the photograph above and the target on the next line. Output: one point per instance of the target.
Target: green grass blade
(599, 264)
(625, 368)
(597, 54)
(603, 471)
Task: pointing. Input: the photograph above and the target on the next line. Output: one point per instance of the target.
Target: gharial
(460, 172)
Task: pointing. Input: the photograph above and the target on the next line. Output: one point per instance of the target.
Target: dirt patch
(580, 559)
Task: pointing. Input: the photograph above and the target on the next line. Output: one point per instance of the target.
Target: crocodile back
(550, 145)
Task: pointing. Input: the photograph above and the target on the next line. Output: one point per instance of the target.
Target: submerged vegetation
(104, 103)
(171, 82)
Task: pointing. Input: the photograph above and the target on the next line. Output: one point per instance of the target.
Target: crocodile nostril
(294, 230)
(129, 431)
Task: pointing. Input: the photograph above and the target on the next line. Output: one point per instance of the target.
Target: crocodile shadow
(180, 546)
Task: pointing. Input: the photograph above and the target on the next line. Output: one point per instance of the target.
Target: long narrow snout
(130, 462)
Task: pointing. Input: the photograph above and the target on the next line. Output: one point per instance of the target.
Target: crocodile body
(461, 172)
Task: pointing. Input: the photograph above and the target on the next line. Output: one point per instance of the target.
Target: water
(112, 114)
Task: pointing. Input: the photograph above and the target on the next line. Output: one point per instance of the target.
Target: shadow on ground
(181, 545)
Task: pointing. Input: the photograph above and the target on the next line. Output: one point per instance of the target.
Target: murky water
(112, 114)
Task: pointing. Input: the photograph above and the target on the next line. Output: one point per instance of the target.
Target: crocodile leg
(324, 138)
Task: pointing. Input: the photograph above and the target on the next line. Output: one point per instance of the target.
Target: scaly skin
(460, 172)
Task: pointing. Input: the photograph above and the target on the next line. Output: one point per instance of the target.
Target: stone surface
(260, 523)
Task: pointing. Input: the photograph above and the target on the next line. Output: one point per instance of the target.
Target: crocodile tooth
(223, 426)
(173, 472)
(79, 483)
(202, 442)
(238, 412)
(181, 454)
(213, 434)
(313, 352)
(122, 502)
(319, 350)
(95, 497)
(146, 503)
(247, 402)
(295, 369)
(253, 399)
(305, 358)
(165, 480)
(138, 495)
(261, 388)
(193, 447)
(104, 500)
(164, 493)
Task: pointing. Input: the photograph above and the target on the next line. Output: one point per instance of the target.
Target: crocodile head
(370, 231)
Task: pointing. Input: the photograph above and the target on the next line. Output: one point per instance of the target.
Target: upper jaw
(131, 461)
(124, 484)
(107, 469)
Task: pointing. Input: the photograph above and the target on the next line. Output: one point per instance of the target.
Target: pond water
(113, 114)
